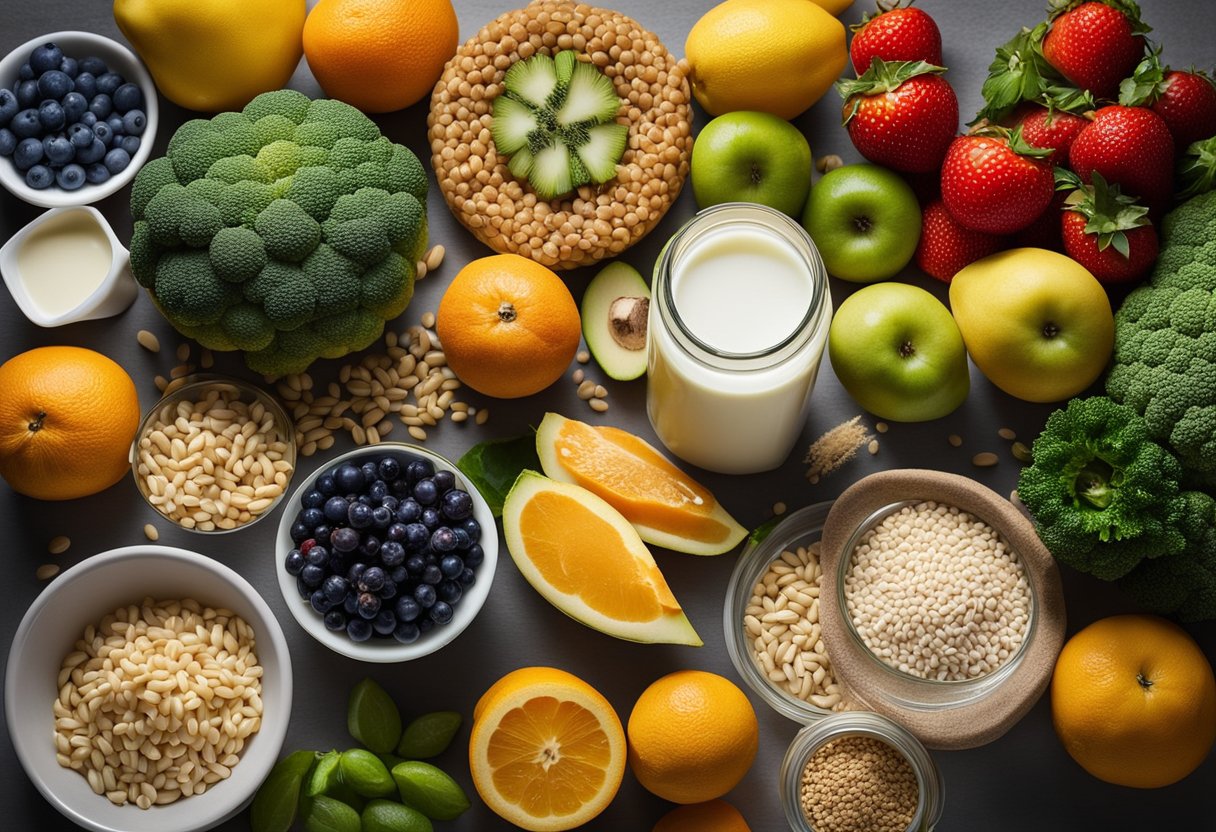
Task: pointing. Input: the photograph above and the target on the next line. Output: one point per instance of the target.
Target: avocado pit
(627, 318)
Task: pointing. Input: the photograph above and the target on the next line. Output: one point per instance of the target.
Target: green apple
(898, 352)
(865, 221)
(751, 157)
(1036, 323)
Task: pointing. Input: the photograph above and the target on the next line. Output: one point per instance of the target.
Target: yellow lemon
(776, 56)
(834, 6)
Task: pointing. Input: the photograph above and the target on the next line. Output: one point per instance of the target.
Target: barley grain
(59, 544)
(46, 571)
(148, 340)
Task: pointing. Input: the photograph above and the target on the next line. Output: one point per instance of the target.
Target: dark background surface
(1022, 781)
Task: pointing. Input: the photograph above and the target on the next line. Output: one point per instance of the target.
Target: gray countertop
(1024, 780)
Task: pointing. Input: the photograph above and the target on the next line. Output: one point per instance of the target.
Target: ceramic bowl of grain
(214, 455)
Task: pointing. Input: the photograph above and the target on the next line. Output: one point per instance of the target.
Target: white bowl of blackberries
(78, 116)
(386, 553)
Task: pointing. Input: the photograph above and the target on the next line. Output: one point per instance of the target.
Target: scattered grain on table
(151, 533)
(582, 356)
(46, 571)
(881, 427)
(59, 544)
(1007, 433)
(183, 352)
(872, 447)
(985, 459)
(779, 508)
(148, 340)
(955, 440)
(1021, 452)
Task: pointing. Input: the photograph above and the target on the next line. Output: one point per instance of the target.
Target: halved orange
(585, 559)
(547, 751)
(666, 506)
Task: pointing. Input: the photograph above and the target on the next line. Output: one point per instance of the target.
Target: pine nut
(148, 340)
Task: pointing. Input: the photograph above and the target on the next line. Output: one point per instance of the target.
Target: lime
(372, 717)
(429, 735)
(391, 816)
(324, 776)
(430, 790)
(324, 814)
(362, 771)
(274, 806)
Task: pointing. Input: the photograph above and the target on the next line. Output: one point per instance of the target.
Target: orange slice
(547, 751)
(666, 506)
(586, 560)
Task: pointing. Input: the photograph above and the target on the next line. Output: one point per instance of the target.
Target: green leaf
(763, 530)
(1146, 84)
(429, 735)
(1018, 73)
(881, 77)
(493, 466)
(372, 717)
(1024, 148)
(430, 790)
(1197, 169)
(274, 805)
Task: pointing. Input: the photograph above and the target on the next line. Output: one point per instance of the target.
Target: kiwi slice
(556, 120)
(614, 313)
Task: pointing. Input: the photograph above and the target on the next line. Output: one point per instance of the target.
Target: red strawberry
(993, 181)
(899, 34)
(1108, 233)
(1132, 148)
(1052, 130)
(1188, 107)
(945, 246)
(1095, 45)
(902, 116)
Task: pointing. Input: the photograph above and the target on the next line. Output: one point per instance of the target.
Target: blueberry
(400, 487)
(392, 554)
(25, 125)
(8, 106)
(320, 602)
(425, 492)
(294, 562)
(128, 97)
(451, 566)
(390, 502)
(96, 173)
(441, 612)
(27, 94)
(26, 72)
(130, 144)
(456, 504)
(467, 577)
(474, 555)
(312, 499)
(431, 518)
(389, 469)
(322, 533)
(399, 575)
(326, 485)
(117, 160)
(93, 65)
(303, 589)
(317, 556)
(359, 515)
(74, 106)
(115, 122)
(88, 119)
(425, 624)
(416, 536)
(103, 131)
(419, 469)
(432, 574)
(356, 572)
(94, 153)
(445, 481)
(381, 517)
(463, 541)
(69, 67)
(335, 509)
(335, 620)
(337, 563)
(80, 136)
(335, 587)
(370, 471)
(54, 84)
(101, 106)
(408, 510)
(29, 152)
(414, 565)
(8, 142)
(369, 546)
(384, 623)
(312, 575)
(344, 540)
(424, 594)
(449, 591)
(108, 83)
(407, 608)
(372, 579)
(443, 539)
(365, 499)
(311, 517)
(395, 532)
(358, 629)
(378, 490)
(407, 632)
(86, 84)
(348, 478)
(299, 531)
(46, 57)
(350, 604)
(369, 605)
(58, 150)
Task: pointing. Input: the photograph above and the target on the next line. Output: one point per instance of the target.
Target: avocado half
(614, 312)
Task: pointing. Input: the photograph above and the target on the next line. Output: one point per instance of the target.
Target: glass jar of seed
(860, 772)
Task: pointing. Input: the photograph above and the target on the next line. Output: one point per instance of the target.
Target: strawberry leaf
(1146, 84)
(1024, 148)
(880, 78)
(1109, 213)
(1060, 98)
(1018, 73)
(1197, 169)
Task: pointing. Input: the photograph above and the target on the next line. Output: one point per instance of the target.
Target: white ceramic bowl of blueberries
(78, 117)
(386, 553)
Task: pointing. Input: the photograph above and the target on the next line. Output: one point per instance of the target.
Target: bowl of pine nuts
(214, 455)
(771, 620)
(148, 688)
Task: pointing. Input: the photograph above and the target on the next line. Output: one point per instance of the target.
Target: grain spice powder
(858, 784)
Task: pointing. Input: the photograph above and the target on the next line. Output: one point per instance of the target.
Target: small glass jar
(929, 787)
(737, 327)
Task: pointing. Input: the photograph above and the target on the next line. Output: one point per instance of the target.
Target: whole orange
(714, 816)
(692, 736)
(67, 419)
(379, 55)
(1133, 699)
(508, 326)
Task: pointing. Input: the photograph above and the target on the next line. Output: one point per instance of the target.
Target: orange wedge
(666, 506)
(585, 559)
(547, 751)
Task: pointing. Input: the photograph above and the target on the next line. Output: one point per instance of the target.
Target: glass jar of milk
(738, 322)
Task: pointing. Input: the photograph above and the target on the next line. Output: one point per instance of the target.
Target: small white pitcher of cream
(737, 327)
(67, 266)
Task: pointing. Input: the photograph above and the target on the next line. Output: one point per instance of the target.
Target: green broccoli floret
(288, 230)
(1164, 364)
(1103, 494)
(1182, 586)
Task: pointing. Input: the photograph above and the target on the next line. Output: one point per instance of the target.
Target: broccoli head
(1182, 586)
(289, 230)
(1164, 364)
(1103, 494)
